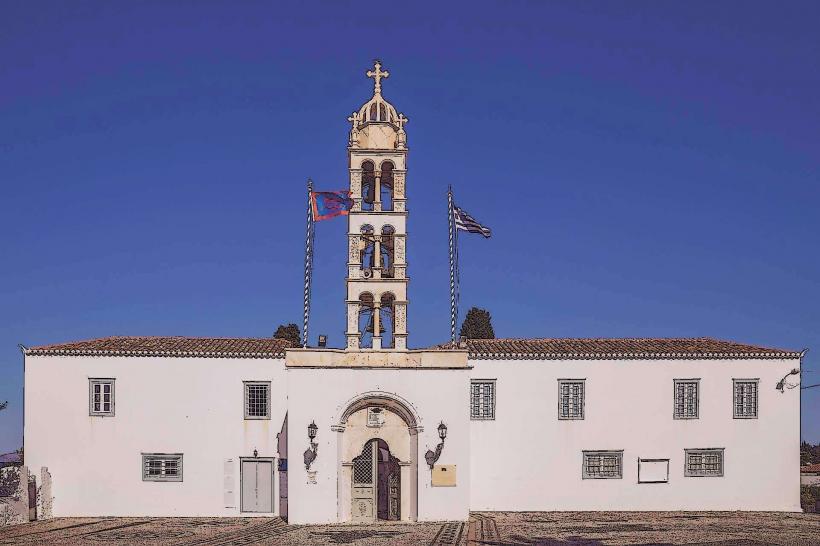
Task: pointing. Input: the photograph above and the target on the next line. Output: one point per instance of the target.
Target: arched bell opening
(366, 320)
(367, 250)
(386, 185)
(386, 249)
(387, 306)
(368, 185)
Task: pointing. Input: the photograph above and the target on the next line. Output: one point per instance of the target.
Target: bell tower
(377, 224)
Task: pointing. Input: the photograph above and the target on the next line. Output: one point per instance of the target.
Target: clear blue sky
(648, 169)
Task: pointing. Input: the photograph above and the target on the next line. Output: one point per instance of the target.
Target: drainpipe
(23, 350)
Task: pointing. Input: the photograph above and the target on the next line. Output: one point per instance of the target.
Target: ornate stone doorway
(378, 453)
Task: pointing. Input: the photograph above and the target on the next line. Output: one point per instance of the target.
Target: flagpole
(308, 261)
(452, 265)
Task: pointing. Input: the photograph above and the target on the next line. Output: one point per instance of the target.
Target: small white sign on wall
(653, 470)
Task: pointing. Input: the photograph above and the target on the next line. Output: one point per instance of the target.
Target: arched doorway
(378, 459)
(376, 483)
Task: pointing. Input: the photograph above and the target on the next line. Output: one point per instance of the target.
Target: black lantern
(312, 428)
(442, 431)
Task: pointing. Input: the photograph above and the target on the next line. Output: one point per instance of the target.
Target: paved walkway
(484, 529)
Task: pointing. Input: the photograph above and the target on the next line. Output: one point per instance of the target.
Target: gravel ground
(485, 528)
(644, 528)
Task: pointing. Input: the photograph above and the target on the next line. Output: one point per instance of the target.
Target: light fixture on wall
(255, 453)
(310, 453)
(432, 456)
(782, 382)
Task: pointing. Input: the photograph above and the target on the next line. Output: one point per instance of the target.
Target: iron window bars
(704, 462)
(571, 398)
(603, 465)
(257, 399)
(162, 467)
(687, 398)
(745, 398)
(482, 399)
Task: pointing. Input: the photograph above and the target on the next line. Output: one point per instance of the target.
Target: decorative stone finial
(377, 76)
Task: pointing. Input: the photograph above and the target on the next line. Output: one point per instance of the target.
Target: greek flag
(465, 222)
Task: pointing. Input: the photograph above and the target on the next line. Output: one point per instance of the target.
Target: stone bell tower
(377, 224)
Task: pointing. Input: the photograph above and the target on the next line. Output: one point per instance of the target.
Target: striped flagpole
(308, 261)
(450, 223)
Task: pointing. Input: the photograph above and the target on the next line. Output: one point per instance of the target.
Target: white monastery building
(175, 426)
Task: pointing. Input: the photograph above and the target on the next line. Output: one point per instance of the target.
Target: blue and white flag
(465, 222)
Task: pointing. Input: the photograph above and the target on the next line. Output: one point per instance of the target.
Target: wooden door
(363, 497)
(257, 485)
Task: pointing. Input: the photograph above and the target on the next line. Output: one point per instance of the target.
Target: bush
(809, 496)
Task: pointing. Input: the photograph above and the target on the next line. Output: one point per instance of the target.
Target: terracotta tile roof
(217, 347)
(810, 468)
(617, 348)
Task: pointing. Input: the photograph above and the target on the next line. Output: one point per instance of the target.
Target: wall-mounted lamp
(782, 382)
(310, 453)
(432, 456)
(255, 453)
(322, 340)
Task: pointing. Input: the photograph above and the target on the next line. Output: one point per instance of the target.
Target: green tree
(289, 332)
(477, 325)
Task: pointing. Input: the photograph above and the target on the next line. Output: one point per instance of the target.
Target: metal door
(257, 485)
(363, 508)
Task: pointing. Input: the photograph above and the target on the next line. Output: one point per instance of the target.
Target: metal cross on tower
(377, 76)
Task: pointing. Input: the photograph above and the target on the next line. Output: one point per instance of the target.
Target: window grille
(745, 398)
(257, 399)
(482, 399)
(570, 398)
(363, 465)
(162, 467)
(603, 465)
(101, 397)
(704, 462)
(686, 398)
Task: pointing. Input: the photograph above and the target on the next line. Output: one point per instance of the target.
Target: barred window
(745, 402)
(162, 467)
(686, 398)
(603, 465)
(570, 398)
(257, 399)
(101, 397)
(704, 462)
(482, 399)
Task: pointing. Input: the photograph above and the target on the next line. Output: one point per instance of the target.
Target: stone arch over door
(399, 429)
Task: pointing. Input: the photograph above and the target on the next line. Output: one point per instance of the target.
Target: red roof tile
(810, 468)
(617, 348)
(169, 346)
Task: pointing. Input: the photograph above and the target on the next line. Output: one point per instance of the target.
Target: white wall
(526, 459)
(193, 406)
(324, 393)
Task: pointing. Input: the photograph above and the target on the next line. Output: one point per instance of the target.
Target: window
(603, 465)
(482, 399)
(162, 467)
(101, 397)
(745, 398)
(570, 398)
(257, 399)
(686, 398)
(704, 462)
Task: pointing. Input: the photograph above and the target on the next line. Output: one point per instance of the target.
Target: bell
(370, 328)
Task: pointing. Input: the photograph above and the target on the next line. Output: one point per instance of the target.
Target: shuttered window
(101, 397)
